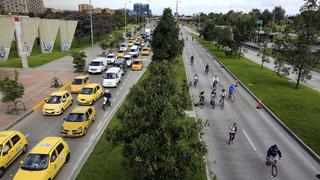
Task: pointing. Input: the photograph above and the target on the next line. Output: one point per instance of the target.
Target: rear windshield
(110, 76)
(36, 162)
(54, 100)
(77, 81)
(133, 50)
(120, 51)
(110, 56)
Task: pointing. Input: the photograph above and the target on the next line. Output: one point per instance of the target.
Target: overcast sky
(185, 6)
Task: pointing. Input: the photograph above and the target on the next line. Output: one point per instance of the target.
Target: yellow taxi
(12, 145)
(78, 121)
(90, 93)
(145, 51)
(131, 43)
(137, 65)
(78, 83)
(57, 103)
(44, 160)
(121, 53)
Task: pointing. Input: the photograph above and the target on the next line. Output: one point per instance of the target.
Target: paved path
(252, 55)
(257, 131)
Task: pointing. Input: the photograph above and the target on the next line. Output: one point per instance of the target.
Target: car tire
(25, 149)
(2, 171)
(62, 110)
(68, 158)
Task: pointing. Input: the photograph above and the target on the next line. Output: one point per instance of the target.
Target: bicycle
(213, 103)
(272, 162)
(222, 103)
(231, 98)
(195, 82)
(231, 137)
(106, 103)
(206, 70)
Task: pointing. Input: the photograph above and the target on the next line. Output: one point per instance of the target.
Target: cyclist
(273, 151)
(195, 80)
(106, 98)
(231, 90)
(213, 96)
(192, 59)
(232, 132)
(223, 94)
(215, 81)
(207, 68)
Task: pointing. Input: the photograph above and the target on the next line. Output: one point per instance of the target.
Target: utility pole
(91, 28)
(125, 18)
(199, 22)
(177, 6)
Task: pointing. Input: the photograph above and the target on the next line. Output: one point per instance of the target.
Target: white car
(128, 59)
(112, 77)
(111, 58)
(123, 47)
(134, 51)
(98, 65)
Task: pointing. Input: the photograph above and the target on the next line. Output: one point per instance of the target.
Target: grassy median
(105, 162)
(298, 109)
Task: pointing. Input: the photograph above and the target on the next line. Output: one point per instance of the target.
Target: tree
(166, 44)
(265, 51)
(2, 11)
(118, 17)
(158, 142)
(11, 89)
(266, 17)
(297, 51)
(279, 13)
(79, 61)
(208, 32)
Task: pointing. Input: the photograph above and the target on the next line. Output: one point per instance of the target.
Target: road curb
(275, 117)
(7, 127)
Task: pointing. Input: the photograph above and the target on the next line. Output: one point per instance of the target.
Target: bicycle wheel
(274, 170)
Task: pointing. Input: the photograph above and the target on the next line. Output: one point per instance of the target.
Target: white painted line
(121, 87)
(117, 93)
(92, 138)
(28, 134)
(113, 100)
(244, 132)
(99, 124)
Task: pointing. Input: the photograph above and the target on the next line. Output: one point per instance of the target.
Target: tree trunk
(261, 65)
(15, 106)
(299, 76)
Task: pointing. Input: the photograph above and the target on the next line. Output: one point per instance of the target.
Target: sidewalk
(37, 82)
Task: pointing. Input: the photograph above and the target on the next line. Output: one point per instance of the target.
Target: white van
(134, 51)
(112, 77)
(111, 58)
(128, 59)
(98, 65)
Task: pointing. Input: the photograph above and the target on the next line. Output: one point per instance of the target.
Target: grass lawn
(298, 109)
(191, 25)
(181, 72)
(37, 58)
(105, 162)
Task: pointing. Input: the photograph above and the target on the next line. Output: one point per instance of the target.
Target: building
(97, 10)
(36, 6)
(141, 9)
(15, 6)
(85, 7)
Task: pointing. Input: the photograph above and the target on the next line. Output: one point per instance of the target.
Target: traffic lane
(36, 126)
(230, 161)
(250, 107)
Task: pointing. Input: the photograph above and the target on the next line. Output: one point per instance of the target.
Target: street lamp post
(91, 27)
(125, 18)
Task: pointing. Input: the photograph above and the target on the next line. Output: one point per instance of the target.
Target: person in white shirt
(215, 81)
(232, 132)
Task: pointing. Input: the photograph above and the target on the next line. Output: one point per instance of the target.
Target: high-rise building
(85, 7)
(141, 9)
(14, 6)
(36, 6)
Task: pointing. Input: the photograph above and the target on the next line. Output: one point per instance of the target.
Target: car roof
(134, 47)
(111, 54)
(113, 70)
(80, 109)
(46, 145)
(4, 135)
(92, 85)
(128, 55)
(120, 60)
(58, 93)
(99, 59)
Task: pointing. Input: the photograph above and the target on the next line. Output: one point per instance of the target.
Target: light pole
(91, 27)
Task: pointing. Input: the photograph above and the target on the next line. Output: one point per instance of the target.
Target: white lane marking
(99, 124)
(113, 100)
(117, 93)
(121, 87)
(28, 134)
(92, 138)
(244, 132)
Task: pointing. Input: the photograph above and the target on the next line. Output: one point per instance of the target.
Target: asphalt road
(257, 131)
(36, 127)
(252, 55)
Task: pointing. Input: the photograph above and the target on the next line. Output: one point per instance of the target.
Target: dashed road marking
(117, 93)
(99, 124)
(92, 138)
(244, 132)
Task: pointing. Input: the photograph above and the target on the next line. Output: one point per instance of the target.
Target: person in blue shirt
(231, 89)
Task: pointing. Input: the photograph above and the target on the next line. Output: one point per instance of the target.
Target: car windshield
(132, 50)
(86, 91)
(75, 117)
(136, 62)
(109, 76)
(77, 81)
(145, 49)
(35, 162)
(96, 63)
(127, 58)
(120, 51)
(110, 56)
(54, 100)
(123, 45)
(117, 65)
